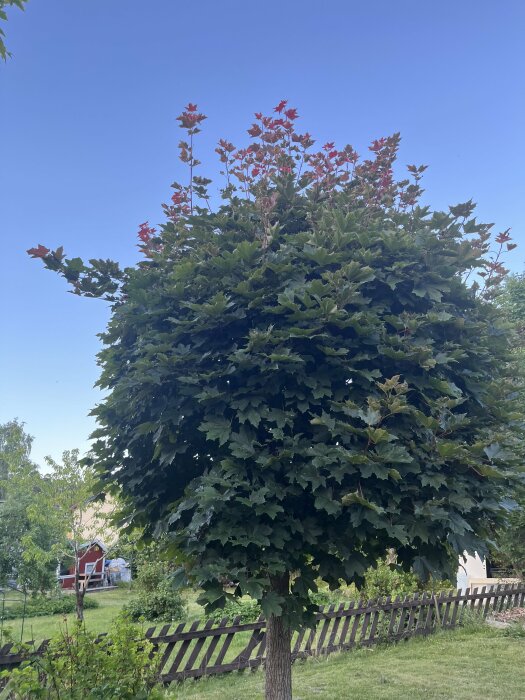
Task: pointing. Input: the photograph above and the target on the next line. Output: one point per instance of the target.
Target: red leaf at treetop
(40, 252)
(503, 237)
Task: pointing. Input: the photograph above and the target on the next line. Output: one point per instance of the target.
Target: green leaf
(492, 472)
(448, 450)
(272, 604)
(145, 428)
(242, 444)
(272, 510)
(445, 387)
(356, 499)
(371, 416)
(254, 588)
(211, 594)
(179, 578)
(494, 451)
(216, 428)
(377, 435)
(389, 453)
(324, 501)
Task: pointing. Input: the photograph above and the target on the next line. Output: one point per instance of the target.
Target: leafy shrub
(151, 575)
(157, 600)
(245, 608)
(162, 604)
(78, 666)
(386, 580)
(40, 605)
(322, 597)
(390, 580)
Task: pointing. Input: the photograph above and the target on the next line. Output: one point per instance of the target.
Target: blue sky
(88, 132)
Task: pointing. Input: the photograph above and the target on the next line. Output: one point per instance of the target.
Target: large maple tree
(305, 375)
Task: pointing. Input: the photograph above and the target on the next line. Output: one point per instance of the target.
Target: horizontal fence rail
(200, 649)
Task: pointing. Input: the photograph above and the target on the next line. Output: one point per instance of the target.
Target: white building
(472, 573)
(470, 567)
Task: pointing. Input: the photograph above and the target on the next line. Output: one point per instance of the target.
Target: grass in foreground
(459, 665)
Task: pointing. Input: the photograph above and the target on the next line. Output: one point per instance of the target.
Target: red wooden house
(91, 566)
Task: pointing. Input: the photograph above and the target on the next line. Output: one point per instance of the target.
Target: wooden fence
(199, 649)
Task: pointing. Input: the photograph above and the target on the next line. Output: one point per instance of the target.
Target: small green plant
(516, 630)
(78, 665)
(472, 620)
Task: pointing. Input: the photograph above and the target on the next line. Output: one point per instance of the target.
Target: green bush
(157, 600)
(151, 575)
(79, 666)
(39, 606)
(390, 580)
(245, 608)
(163, 604)
(321, 597)
(324, 596)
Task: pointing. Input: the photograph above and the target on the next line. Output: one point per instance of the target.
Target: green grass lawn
(97, 619)
(459, 665)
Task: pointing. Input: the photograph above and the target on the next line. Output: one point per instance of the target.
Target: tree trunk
(79, 594)
(80, 606)
(278, 650)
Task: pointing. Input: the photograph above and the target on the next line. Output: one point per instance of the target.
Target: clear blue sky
(88, 137)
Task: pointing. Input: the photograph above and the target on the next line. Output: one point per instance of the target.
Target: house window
(90, 568)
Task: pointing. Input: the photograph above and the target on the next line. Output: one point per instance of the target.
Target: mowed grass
(97, 619)
(459, 665)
